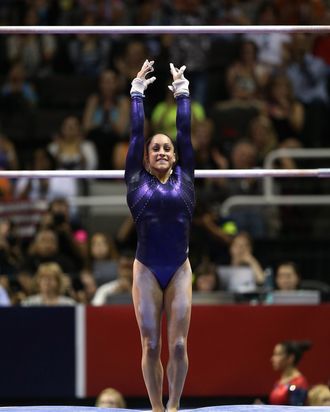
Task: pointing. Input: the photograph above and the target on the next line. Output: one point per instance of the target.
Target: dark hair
(206, 268)
(266, 4)
(296, 348)
(245, 42)
(245, 235)
(292, 264)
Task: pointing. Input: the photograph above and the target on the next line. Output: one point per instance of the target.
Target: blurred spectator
(233, 116)
(37, 189)
(66, 13)
(309, 77)
(17, 94)
(126, 234)
(244, 273)
(10, 252)
(232, 13)
(318, 395)
(6, 190)
(251, 219)
(113, 12)
(321, 43)
(103, 258)
(70, 150)
(43, 9)
(121, 285)
(129, 62)
(202, 140)
(89, 285)
(110, 398)
(287, 276)
(69, 231)
(286, 113)
(8, 156)
(45, 249)
(300, 11)
(291, 388)
(263, 136)
(8, 161)
(119, 154)
(163, 117)
(206, 278)
(35, 52)
(89, 53)
(191, 50)
(210, 234)
(272, 47)
(49, 281)
(106, 117)
(247, 67)
(207, 156)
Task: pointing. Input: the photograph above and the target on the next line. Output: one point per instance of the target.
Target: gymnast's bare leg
(177, 300)
(148, 305)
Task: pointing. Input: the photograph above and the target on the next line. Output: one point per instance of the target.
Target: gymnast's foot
(171, 409)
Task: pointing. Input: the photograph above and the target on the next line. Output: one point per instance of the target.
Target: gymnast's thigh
(147, 300)
(178, 298)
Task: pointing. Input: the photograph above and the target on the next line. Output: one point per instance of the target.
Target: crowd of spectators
(64, 104)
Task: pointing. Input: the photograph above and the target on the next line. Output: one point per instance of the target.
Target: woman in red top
(291, 388)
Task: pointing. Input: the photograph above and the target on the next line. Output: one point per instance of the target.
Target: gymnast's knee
(151, 347)
(178, 348)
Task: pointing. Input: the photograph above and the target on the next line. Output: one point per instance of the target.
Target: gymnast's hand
(140, 83)
(180, 84)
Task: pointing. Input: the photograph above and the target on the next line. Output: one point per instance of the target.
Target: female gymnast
(160, 195)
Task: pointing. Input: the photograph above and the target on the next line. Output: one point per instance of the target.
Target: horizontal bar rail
(175, 29)
(207, 173)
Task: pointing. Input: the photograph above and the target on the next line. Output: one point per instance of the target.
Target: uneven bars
(119, 174)
(211, 29)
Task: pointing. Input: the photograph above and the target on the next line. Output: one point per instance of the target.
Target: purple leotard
(162, 212)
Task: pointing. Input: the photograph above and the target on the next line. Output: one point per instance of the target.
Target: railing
(269, 197)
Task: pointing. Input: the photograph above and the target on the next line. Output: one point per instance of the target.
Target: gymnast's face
(160, 155)
(280, 359)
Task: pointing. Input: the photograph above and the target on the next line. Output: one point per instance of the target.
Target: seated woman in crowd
(70, 150)
(287, 276)
(206, 278)
(247, 67)
(103, 256)
(244, 272)
(50, 281)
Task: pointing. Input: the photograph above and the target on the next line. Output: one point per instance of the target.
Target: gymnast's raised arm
(180, 88)
(134, 159)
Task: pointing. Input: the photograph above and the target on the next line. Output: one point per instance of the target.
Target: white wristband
(137, 86)
(179, 87)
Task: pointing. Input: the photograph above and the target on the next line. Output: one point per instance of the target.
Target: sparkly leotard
(162, 212)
